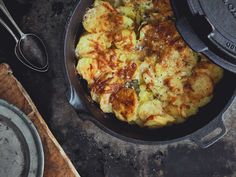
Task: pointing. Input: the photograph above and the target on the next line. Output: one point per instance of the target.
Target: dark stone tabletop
(93, 152)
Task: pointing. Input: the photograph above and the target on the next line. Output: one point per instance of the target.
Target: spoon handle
(3, 8)
(9, 30)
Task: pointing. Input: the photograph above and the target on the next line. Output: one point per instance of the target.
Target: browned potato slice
(199, 86)
(142, 5)
(128, 11)
(176, 63)
(125, 39)
(150, 108)
(125, 104)
(159, 36)
(144, 94)
(91, 45)
(159, 121)
(212, 70)
(104, 18)
(98, 18)
(105, 103)
(88, 69)
(163, 6)
(107, 83)
(182, 111)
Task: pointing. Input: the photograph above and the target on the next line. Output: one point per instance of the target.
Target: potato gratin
(138, 67)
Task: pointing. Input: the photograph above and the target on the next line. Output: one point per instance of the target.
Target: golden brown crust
(124, 103)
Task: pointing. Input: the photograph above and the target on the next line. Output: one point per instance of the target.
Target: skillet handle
(75, 100)
(211, 134)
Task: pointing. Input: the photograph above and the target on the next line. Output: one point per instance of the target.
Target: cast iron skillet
(197, 129)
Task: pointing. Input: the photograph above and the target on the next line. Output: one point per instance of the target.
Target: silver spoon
(29, 49)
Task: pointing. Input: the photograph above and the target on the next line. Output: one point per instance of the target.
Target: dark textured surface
(93, 152)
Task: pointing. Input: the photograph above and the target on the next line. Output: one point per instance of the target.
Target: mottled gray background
(93, 152)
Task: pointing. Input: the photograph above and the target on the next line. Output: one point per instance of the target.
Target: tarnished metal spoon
(29, 49)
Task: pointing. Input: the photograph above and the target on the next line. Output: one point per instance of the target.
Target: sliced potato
(199, 86)
(107, 83)
(125, 56)
(105, 103)
(99, 18)
(90, 44)
(142, 5)
(212, 70)
(182, 111)
(128, 11)
(88, 69)
(159, 121)
(145, 5)
(144, 94)
(125, 23)
(104, 18)
(150, 108)
(125, 104)
(125, 40)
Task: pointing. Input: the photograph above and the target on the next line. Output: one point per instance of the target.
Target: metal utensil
(29, 49)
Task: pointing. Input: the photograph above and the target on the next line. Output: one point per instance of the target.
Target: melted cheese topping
(137, 65)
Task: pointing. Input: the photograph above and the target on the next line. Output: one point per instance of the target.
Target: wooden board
(57, 164)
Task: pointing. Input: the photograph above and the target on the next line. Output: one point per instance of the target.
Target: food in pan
(138, 67)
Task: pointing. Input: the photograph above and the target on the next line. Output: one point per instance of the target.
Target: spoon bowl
(31, 51)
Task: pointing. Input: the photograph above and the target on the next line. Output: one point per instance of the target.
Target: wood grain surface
(57, 164)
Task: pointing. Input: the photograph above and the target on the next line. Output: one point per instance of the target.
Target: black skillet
(196, 129)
